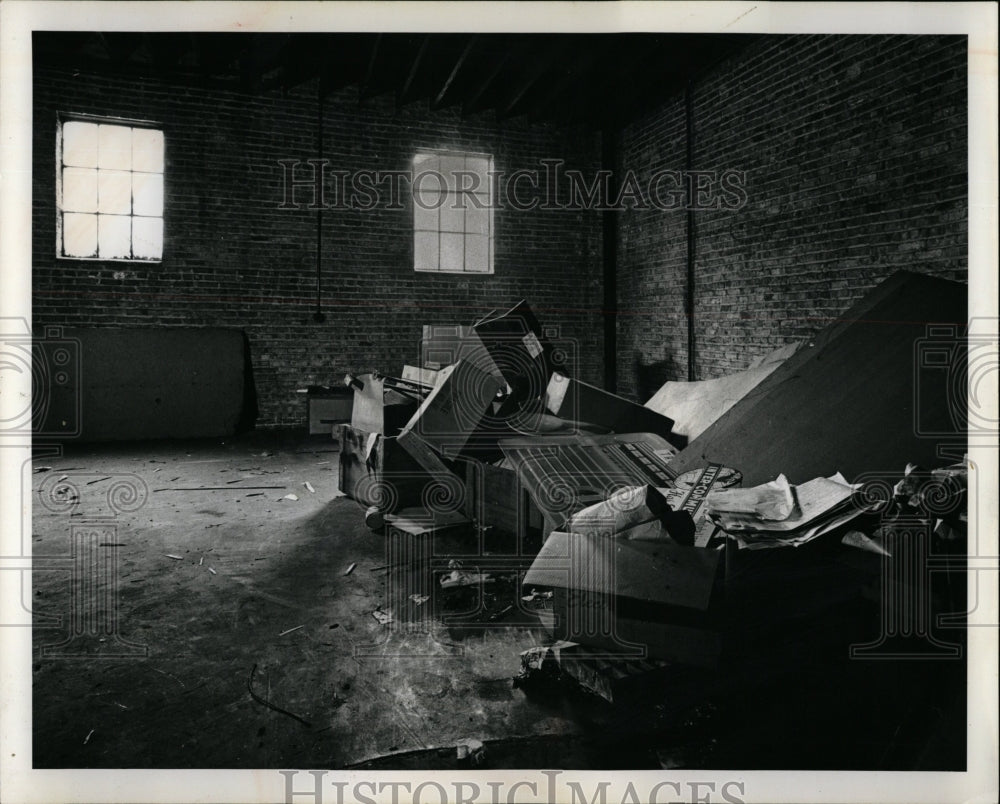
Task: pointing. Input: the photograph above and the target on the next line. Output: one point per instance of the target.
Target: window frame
(490, 207)
(62, 118)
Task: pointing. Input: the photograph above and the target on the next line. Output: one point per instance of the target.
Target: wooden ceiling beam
(550, 56)
(366, 82)
(438, 101)
(403, 95)
(578, 70)
(470, 104)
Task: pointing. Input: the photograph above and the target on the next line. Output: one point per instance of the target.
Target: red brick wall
(233, 259)
(855, 154)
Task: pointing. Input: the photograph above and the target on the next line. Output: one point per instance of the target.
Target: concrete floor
(252, 565)
(166, 682)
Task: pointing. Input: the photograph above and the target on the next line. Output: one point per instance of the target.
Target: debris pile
(641, 541)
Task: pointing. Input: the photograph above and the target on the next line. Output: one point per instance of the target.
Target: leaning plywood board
(133, 383)
(695, 405)
(858, 397)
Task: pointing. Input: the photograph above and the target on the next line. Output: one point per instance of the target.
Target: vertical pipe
(609, 251)
(689, 159)
(318, 316)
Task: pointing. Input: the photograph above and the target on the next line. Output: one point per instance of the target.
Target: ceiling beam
(534, 75)
(470, 104)
(577, 70)
(366, 82)
(463, 57)
(404, 93)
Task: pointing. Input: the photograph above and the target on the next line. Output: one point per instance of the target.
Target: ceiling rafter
(470, 104)
(592, 79)
(459, 62)
(534, 74)
(403, 95)
(366, 82)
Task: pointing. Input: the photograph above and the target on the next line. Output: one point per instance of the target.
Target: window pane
(481, 166)
(147, 150)
(477, 254)
(450, 164)
(79, 235)
(79, 190)
(477, 221)
(452, 252)
(478, 164)
(425, 251)
(147, 238)
(114, 148)
(79, 144)
(459, 235)
(427, 162)
(425, 219)
(114, 233)
(114, 192)
(452, 214)
(427, 189)
(147, 194)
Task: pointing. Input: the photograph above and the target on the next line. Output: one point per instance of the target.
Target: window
(452, 213)
(109, 191)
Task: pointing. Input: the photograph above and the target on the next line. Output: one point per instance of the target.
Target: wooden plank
(853, 398)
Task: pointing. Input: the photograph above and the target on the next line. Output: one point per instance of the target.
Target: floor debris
(350, 569)
(175, 558)
(296, 628)
(270, 705)
(309, 487)
(470, 752)
(292, 497)
(217, 488)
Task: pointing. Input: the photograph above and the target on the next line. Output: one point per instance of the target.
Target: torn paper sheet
(771, 501)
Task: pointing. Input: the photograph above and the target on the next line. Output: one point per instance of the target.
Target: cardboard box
(416, 534)
(624, 595)
(580, 402)
(328, 409)
(378, 409)
(453, 412)
(376, 470)
(493, 496)
(517, 347)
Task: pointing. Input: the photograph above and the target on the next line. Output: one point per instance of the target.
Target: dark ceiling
(597, 80)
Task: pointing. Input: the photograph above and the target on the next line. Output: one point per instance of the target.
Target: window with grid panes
(109, 190)
(452, 213)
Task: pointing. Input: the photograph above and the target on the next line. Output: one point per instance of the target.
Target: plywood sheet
(859, 397)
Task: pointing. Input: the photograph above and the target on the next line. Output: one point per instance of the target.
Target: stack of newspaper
(778, 514)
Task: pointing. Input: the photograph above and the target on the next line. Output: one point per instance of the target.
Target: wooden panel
(853, 397)
(143, 383)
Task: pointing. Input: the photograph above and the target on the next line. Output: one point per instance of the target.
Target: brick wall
(233, 259)
(855, 155)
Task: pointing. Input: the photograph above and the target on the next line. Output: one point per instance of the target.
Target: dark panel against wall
(855, 155)
(232, 258)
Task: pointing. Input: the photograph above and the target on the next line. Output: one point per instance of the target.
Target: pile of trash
(490, 432)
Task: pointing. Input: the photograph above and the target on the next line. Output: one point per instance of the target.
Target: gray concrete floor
(251, 566)
(142, 660)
